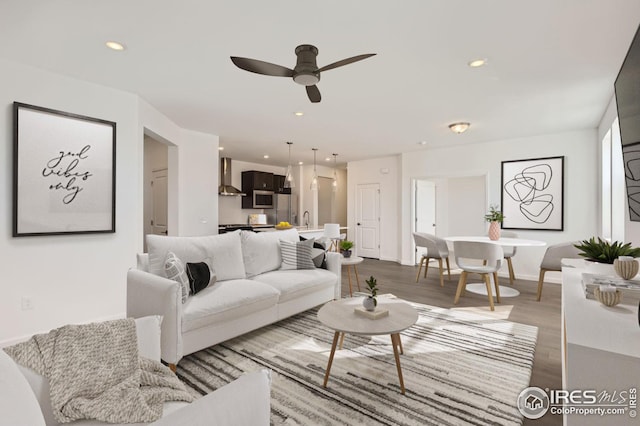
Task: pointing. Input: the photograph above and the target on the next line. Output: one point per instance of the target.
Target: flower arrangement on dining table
(495, 218)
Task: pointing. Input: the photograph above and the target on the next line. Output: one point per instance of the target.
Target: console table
(600, 347)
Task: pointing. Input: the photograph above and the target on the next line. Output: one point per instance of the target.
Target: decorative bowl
(626, 269)
(608, 298)
(280, 227)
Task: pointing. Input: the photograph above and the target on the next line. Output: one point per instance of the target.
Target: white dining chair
(436, 249)
(508, 253)
(467, 254)
(552, 260)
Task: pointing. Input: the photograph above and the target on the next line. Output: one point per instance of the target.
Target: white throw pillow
(261, 250)
(174, 270)
(297, 255)
(223, 253)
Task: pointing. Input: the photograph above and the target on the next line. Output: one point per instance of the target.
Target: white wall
(76, 277)
(580, 149)
(81, 278)
(386, 172)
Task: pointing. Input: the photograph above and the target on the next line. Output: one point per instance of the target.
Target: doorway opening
(448, 206)
(155, 193)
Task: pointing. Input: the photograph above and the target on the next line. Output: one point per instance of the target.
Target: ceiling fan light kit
(305, 73)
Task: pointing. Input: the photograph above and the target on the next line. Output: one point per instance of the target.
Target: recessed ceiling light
(460, 127)
(265, 156)
(221, 148)
(115, 45)
(477, 62)
(422, 143)
(299, 113)
(300, 163)
(327, 159)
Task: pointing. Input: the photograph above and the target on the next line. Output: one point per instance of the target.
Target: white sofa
(24, 394)
(251, 290)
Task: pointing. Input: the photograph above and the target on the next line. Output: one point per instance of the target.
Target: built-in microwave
(262, 199)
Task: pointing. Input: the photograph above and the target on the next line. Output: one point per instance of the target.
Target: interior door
(160, 197)
(425, 209)
(367, 242)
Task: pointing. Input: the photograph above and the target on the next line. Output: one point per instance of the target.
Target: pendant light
(314, 179)
(288, 179)
(334, 184)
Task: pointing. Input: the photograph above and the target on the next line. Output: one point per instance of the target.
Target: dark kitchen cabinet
(259, 189)
(254, 179)
(278, 184)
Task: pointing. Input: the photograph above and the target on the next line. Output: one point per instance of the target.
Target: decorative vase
(494, 231)
(626, 269)
(346, 253)
(608, 298)
(369, 303)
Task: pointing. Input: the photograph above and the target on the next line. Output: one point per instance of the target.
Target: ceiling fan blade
(314, 93)
(346, 62)
(261, 67)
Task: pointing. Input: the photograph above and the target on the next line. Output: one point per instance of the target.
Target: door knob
(358, 223)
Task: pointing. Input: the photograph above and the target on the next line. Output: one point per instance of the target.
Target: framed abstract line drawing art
(63, 173)
(532, 194)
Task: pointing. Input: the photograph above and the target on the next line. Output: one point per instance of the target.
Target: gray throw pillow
(296, 255)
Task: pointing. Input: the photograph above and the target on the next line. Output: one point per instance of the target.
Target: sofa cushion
(261, 250)
(296, 255)
(296, 283)
(18, 404)
(226, 300)
(223, 253)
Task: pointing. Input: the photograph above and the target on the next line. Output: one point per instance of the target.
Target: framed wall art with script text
(63, 173)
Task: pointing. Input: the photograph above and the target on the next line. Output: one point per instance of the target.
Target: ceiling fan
(306, 71)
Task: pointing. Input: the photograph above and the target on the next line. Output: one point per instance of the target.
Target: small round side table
(349, 262)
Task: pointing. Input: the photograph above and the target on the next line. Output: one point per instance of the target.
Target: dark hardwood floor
(401, 281)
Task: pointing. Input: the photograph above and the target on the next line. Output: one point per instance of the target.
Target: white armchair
(24, 394)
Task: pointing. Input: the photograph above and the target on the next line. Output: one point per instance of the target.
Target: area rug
(459, 368)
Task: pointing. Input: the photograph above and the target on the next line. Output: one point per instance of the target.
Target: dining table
(481, 288)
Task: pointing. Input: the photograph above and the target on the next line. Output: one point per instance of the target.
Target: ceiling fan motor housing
(306, 70)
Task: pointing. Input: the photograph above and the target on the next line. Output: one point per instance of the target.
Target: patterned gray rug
(459, 368)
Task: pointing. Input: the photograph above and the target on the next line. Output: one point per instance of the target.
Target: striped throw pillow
(296, 255)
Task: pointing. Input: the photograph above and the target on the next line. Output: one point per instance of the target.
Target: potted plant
(370, 302)
(345, 246)
(602, 251)
(495, 218)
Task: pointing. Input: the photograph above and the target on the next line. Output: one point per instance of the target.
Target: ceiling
(551, 66)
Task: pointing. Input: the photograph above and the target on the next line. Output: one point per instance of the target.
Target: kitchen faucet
(305, 218)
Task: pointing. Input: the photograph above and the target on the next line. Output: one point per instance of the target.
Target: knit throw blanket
(95, 372)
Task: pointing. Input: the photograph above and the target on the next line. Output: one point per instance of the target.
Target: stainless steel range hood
(225, 187)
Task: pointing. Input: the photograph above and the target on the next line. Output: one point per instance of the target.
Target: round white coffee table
(340, 316)
(349, 262)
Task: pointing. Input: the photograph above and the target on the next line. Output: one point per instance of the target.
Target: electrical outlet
(27, 303)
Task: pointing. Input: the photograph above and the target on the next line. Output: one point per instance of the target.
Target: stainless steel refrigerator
(285, 209)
